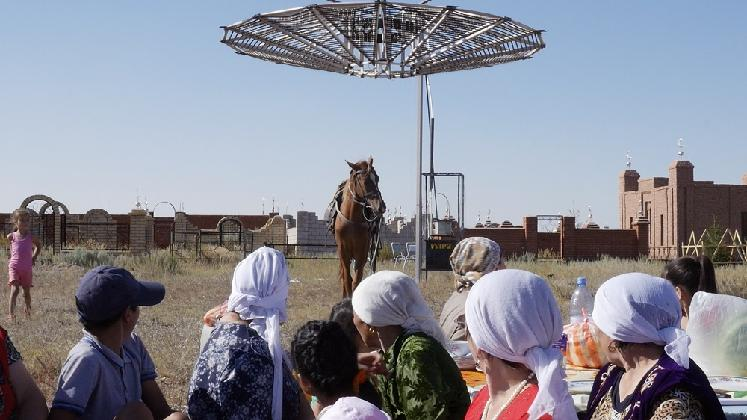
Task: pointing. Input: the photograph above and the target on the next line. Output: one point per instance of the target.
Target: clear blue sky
(100, 101)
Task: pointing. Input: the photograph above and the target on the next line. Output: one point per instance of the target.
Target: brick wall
(548, 242)
(591, 244)
(162, 228)
(571, 243)
(512, 240)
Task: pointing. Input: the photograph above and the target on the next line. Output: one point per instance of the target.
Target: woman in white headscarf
(650, 374)
(241, 373)
(422, 380)
(512, 322)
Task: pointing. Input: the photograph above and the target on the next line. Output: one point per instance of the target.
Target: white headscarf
(639, 308)
(352, 408)
(512, 315)
(259, 291)
(392, 298)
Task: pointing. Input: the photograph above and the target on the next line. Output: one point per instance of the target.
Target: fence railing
(663, 252)
(722, 247)
(306, 251)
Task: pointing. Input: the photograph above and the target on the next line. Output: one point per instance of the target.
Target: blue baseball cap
(106, 291)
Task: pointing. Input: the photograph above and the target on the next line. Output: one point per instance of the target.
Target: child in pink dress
(24, 248)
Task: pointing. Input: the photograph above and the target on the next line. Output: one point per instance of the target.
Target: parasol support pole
(419, 172)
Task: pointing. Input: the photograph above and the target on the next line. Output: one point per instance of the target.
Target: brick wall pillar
(641, 227)
(141, 231)
(57, 246)
(629, 181)
(180, 227)
(530, 234)
(568, 238)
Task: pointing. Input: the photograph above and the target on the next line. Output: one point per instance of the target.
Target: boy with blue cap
(109, 373)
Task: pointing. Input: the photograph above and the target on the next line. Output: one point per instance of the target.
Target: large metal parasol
(383, 39)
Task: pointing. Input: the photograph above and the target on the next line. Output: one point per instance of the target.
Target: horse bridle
(366, 197)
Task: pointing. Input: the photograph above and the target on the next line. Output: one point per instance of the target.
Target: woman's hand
(372, 362)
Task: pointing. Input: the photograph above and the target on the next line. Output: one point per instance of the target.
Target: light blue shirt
(96, 383)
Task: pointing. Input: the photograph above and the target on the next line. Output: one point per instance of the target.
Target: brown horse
(359, 213)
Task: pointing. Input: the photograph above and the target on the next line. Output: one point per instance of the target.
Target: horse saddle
(330, 214)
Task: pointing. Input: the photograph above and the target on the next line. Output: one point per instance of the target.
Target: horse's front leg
(360, 265)
(344, 274)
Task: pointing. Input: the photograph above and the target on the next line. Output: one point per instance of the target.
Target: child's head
(342, 314)
(689, 276)
(21, 218)
(109, 294)
(326, 359)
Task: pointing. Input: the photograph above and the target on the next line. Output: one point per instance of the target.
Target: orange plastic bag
(582, 348)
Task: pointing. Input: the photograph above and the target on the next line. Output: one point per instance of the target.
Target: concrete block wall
(273, 232)
(185, 233)
(311, 230)
(98, 227)
(141, 231)
(399, 231)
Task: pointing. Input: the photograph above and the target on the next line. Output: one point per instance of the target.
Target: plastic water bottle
(582, 302)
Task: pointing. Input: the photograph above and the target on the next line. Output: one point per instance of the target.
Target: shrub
(167, 262)
(385, 252)
(47, 256)
(548, 254)
(4, 246)
(87, 258)
(711, 249)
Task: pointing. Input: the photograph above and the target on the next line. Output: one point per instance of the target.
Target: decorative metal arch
(55, 207)
(48, 201)
(221, 232)
(383, 40)
(45, 206)
(219, 225)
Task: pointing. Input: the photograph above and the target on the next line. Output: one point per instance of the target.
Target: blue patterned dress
(13, 356)
(233, 378)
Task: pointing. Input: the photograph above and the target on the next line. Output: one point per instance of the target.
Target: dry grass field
(171, 330)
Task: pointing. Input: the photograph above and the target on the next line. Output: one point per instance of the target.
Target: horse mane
(365, 165)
